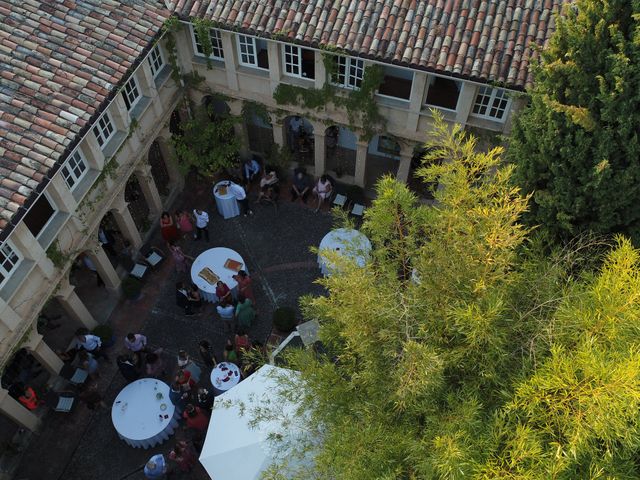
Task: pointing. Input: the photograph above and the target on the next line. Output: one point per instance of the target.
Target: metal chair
(357, 210)
(139, 270)
(75, 375)
(153, 257)
(60, 401)
(339, 200)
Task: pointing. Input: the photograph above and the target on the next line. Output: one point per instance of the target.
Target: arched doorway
(159, 170)
(383, 156)
(416, 184)
(300, 139)
(137, 204)
(175, 122)
(340, 150)
(259, 132)
(216, 107)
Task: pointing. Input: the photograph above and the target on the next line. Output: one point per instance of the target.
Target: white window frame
(494, 96)
(156, 60)
(244, 43)
(289, 65)
(100, 127)
(346, 79)
(69, 170)
(129, 88)
(217, 52)
(14, 264)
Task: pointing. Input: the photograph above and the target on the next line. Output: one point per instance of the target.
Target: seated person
(301, 187)
(29, 399)
(267, 184)
(322, 190)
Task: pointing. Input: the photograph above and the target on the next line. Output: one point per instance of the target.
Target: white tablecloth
(225, 370)
(214, 258)
(351, 243)
(227, 204)
(136, 413)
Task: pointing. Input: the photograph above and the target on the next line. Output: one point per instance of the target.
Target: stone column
(278, 127)
(406, 154)
(275, 65)
(361, 162)
(74, 307)
(12, 409)
(125, 222)
(104, 266)
(465, 102)
(319, 150)
(416, 100)
(8, 316)
(47, 357)
(149, 189)
(230, 65)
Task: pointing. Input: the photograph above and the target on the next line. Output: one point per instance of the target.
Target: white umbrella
(239, 448)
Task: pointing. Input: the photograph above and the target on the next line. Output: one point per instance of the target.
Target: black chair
(60, 401)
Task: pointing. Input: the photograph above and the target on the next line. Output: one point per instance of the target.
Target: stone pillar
(230, 65)
(12, 409)
(406, 154)
(319, 150)
(8, 316)
(278, 127)
(41, 351)
(104, 267)
(465, 102)
(125, 222)
(149, 189)
(416, 100)
(275, 65)
(361, 163)
(74, 307)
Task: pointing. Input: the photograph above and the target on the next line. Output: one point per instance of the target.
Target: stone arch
(159, 168)
(383, 157)
(300, 139)
(340, 150)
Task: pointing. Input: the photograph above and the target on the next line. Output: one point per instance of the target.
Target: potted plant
(131, 288)
(284, 319)
(105, 332)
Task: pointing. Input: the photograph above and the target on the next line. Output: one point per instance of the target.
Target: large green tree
(460, 351)
(576, 145)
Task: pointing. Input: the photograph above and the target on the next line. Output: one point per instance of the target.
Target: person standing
(182, 298)
(226, 312)
(202, 224)
(244, 285)
(245, 314)
(135, 342)
(207, 354)
(184, 223)
(241, 196)
(168, 228)
(90, 343)
(179, 257)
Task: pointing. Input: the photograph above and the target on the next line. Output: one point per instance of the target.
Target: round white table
(348, 242)
(226, 204)
(214, 259)
(225, 376)
(143, 414)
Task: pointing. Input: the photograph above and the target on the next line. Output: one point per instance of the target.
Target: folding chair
(339, 200)
(75, 375)
(60, 401)
(357, 210)
(153, 257)
(138, 271)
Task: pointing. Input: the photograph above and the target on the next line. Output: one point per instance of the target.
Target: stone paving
(275, 246)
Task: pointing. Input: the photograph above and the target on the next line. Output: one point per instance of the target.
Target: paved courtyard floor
(275, 246)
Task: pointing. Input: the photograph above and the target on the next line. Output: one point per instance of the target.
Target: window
(39, 215)
(74, 169)
(9, 259)
(491, 103)
(396, 83)
(104, 130)
(156, 60)
(350, 72)
(216, 44)
(252, 52)
(443, 92)
(299, 62)
(131, 93)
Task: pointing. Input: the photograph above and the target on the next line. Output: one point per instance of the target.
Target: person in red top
(29, 399)
(195, 418)
(184, 380)
(223, 292)
(244, 286)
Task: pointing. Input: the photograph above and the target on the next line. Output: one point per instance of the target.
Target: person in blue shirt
(250, 169)
(156, 467)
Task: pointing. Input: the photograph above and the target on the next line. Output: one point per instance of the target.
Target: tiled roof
(484, 40)
(59, 63)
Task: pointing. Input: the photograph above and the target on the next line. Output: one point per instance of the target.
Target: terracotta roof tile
(59, 62)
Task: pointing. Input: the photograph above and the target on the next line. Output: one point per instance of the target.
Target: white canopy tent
(239, 448)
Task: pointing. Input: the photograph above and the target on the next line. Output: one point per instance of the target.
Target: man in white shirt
(241, 196)
(135, 342)
(202, 224)
(90, 343)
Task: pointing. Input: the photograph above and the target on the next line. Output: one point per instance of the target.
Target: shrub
(131, 288)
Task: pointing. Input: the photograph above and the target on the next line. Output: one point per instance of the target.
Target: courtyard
(275, 245)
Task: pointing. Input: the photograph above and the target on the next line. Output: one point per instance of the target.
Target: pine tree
(576, 145)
